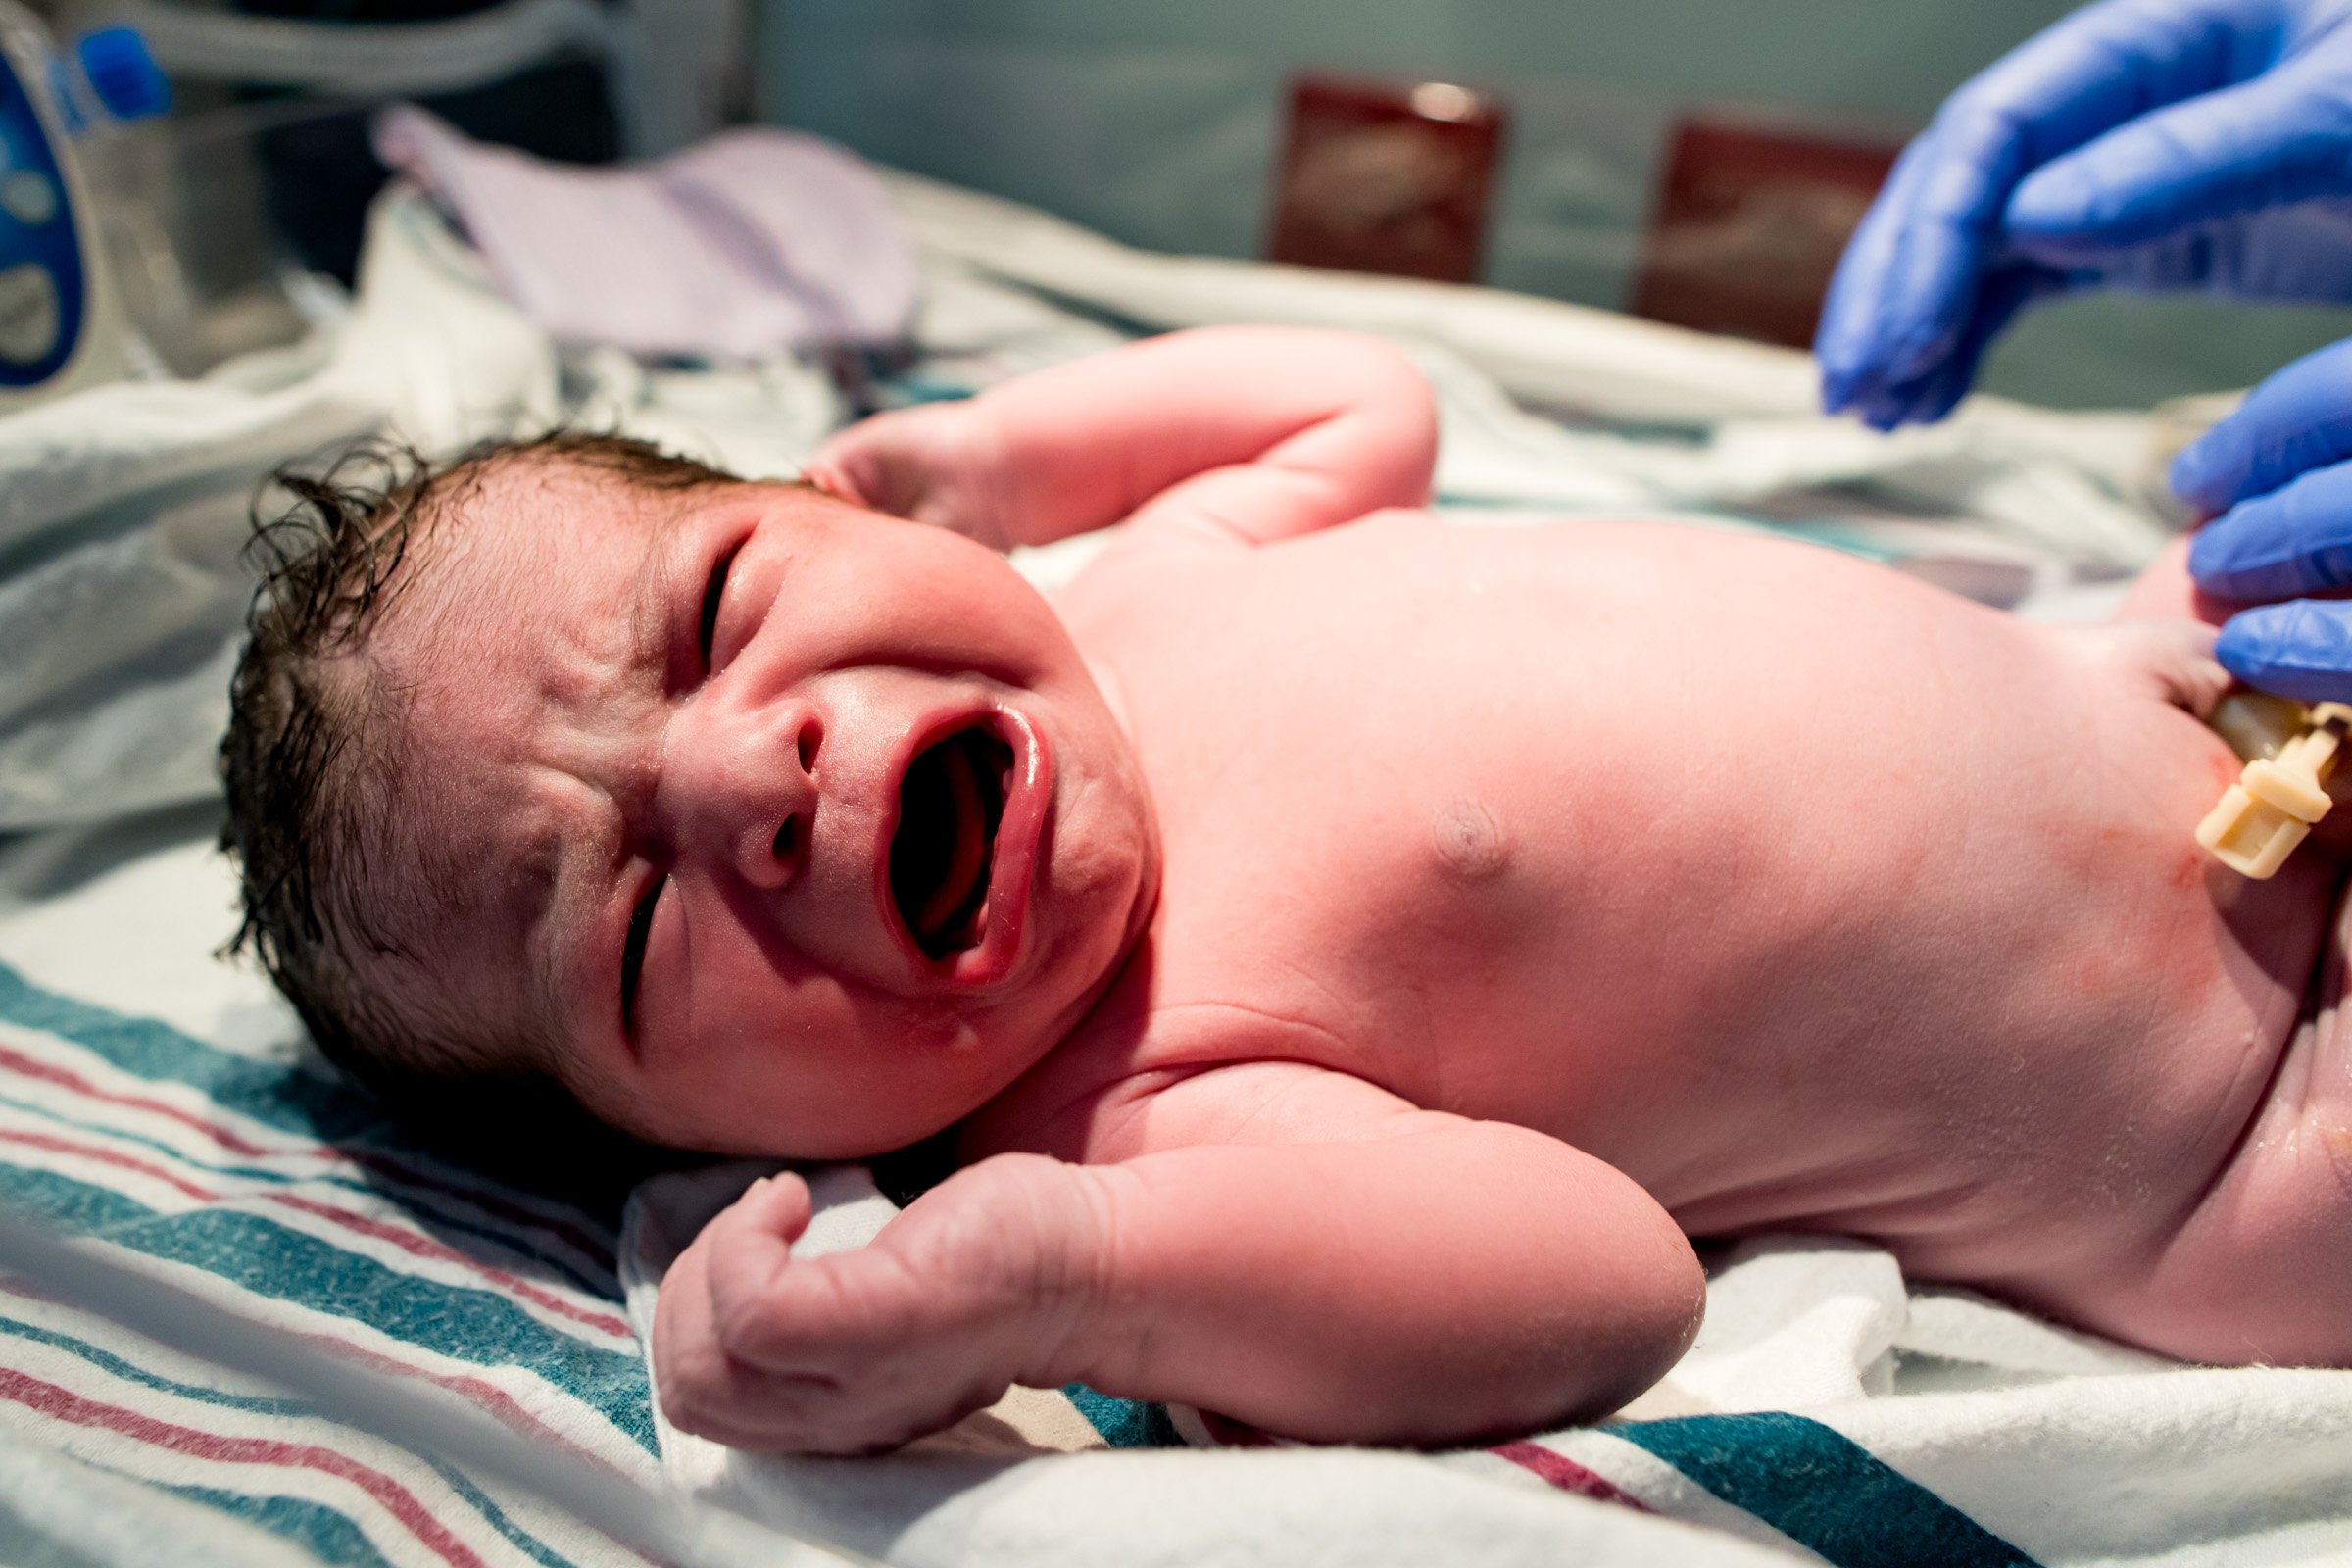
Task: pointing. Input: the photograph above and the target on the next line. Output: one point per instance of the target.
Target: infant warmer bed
(162, 1104)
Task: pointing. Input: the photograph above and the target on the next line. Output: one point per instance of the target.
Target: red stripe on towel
(487, 1201)
(17, 1061)
(64, 1404)
(417, 1246)
(1566, 1472)
(482, 1197)
(493, 1400)
(409, 1241)
(108, 1156)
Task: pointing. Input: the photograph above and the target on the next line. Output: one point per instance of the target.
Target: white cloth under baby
(757, 242)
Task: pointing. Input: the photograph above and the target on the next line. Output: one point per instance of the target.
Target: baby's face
(803, 829)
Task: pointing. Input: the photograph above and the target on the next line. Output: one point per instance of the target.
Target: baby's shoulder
(1241, 1101)
(1147, 1064)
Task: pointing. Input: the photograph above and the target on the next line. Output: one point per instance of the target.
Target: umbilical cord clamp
(2289, 750)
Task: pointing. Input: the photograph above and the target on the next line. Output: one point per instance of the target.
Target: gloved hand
(2276, 472)
(2143, 143)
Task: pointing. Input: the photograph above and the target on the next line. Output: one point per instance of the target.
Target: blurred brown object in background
(1748, 226)
(1387, 177)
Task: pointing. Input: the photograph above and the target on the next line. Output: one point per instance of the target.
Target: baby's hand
(923, 464)
(979, 1285)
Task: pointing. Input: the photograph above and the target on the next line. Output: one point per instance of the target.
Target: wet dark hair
(315, 728)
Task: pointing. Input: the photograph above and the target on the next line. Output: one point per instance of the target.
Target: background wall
(1158, 124)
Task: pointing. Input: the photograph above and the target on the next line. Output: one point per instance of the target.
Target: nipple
(2289, 750)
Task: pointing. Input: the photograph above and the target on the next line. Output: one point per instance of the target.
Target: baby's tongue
(967, 854)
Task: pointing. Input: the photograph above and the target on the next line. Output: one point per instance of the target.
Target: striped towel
(231, 1168)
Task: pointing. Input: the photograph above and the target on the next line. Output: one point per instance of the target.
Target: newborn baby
(1351, 954)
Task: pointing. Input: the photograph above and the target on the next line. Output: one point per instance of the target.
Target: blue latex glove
(2143, 143)
(2278, 471)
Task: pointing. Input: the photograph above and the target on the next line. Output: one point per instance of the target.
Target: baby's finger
(821, 1313)
(739, 1254)
(702, 1383)
(780, 1205)
(774, 1309)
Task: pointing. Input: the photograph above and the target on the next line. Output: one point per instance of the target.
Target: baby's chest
(1433, 935)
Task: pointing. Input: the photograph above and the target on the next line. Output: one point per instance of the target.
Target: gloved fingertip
(2055, 202)
(2245, 648)
(2301, 649)
(2198, 473)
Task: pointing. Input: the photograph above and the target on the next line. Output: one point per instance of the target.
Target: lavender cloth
(756, 242)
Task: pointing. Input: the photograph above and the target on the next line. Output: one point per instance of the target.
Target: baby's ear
(2169, 657)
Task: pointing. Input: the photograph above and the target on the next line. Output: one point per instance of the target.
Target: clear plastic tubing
(366, 59)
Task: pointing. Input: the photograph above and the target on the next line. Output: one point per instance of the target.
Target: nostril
(811, 738)
(788, 839)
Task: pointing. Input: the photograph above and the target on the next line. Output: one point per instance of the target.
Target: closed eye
(713, 593)
(632, 954)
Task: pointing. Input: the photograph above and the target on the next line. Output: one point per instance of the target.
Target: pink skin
(783, 1002)
(1530, 899)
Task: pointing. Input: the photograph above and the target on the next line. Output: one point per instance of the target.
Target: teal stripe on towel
(1124, 1423)
(322, 1531)
(434, 1217)
(460, 1323)
(141, 1376)
(295, 1103)
(1820, 1490)
(273, 1094)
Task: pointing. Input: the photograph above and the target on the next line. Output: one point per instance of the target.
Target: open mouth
(950, 805)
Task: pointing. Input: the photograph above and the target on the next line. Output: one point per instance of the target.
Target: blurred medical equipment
(366, 60)
(2147, 144)
(61, 321)
(573, 81)
(678, 67)
(1749, 218)
(1387, 177)
(2290, 751)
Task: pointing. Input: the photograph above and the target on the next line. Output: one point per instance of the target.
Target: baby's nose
(747, 792)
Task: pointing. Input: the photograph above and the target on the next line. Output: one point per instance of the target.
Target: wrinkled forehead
(453, 871)
(524, 564)
(508, 661)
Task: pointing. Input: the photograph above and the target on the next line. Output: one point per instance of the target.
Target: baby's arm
(1348, 1268)
(1242, 433)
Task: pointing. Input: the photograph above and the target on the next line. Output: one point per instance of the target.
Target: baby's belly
(2013, 1032)
(2052, 1104)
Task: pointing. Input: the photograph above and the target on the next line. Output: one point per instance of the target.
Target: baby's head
(754, 820)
